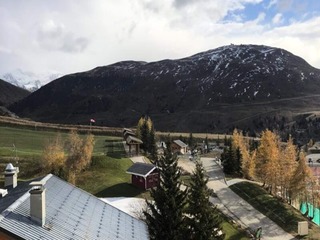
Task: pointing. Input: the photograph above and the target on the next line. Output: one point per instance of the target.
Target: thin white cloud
(272, 3)
(260, 18)
(277, 19)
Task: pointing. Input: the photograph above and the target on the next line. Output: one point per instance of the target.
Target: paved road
(231, 204)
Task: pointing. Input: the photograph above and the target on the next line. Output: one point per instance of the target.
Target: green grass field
(105, 178)
(232, 232)
(24, 147)
(31, 142)
(108, 178)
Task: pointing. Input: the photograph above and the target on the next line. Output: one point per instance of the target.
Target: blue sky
(78, 35)
(285, 12)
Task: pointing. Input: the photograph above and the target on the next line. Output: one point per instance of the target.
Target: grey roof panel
(141, 169)
(71, 214)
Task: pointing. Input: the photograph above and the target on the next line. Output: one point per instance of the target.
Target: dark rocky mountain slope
(231, 86)
(8, 95)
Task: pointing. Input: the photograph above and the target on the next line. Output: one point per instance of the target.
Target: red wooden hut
(144, 175)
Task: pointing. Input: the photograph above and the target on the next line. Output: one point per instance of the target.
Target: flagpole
(91, 121)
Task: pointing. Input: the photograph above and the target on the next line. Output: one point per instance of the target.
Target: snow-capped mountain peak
(29, 80)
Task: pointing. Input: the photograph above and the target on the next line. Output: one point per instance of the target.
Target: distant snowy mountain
(29, 80)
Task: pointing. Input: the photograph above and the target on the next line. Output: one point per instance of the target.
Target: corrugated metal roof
(71, 213)
(141, 169)
(180, 143)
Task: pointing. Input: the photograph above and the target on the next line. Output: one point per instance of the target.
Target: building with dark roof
(144, 175)
(50, 208)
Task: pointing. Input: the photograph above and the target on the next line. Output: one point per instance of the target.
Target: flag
(92, 120)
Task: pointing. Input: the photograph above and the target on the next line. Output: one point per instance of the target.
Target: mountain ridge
(173, 92)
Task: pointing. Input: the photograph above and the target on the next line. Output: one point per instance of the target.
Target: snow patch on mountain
(29, 80)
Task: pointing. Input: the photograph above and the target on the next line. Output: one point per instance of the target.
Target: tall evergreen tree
(228, 160)
(144, 134)
(152, 149)
(203, 218)
(164, 216)
(191, 141)
(238, 161)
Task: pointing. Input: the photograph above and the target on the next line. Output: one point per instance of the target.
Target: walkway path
(234, 206)
(186, 164)
(137, 159)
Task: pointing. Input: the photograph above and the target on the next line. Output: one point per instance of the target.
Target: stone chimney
(38, 203)
(11, 176)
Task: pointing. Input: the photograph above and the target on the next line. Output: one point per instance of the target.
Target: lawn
(31, 142)
(23, 147)
(107, 177)
(281, 213)
(231, 231)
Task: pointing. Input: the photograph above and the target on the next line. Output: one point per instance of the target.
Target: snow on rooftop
(132, 206)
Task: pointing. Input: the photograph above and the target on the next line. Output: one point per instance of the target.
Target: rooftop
(180, 143)
(71, 213)
(141, 169)
(133, 140)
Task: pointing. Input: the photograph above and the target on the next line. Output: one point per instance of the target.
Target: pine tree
(191, 141)
(152, 144)
(203, 218)
(164, 216)
(238, 161)
(144, 131)
(228, 160)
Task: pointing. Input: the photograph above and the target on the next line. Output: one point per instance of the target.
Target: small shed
(133, 141)
(179, 146)
(144, 175)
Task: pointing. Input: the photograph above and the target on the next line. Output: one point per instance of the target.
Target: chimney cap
(37, 187)
(10, 168)
(36, 184)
